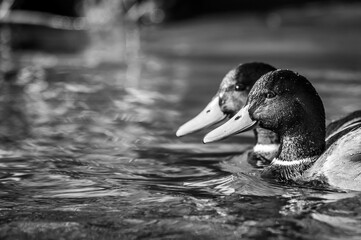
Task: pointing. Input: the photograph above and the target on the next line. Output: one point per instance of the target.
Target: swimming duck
(229, 99)
(287, 103)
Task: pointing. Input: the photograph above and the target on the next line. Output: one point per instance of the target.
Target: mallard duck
(229, 99)
(287, 104)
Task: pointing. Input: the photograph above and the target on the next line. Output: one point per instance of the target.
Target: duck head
(229, 99)
(287, 104)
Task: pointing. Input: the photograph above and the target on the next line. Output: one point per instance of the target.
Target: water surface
(89, 148)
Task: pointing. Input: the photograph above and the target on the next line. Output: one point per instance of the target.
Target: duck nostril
(238, 117)
(208, 111)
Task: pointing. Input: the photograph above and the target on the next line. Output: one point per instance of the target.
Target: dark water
(89, 148)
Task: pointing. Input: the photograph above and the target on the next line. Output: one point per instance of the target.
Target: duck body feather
(340, 164)
(340, 127)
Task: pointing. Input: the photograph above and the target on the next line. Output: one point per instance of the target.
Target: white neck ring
(263, 148)
(296, 162)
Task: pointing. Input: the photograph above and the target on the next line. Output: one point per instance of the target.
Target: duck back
(342, 126)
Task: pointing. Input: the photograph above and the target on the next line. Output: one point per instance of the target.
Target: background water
(88, 140)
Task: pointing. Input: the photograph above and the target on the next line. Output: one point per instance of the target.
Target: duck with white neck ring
(230, 98)
(287, 103)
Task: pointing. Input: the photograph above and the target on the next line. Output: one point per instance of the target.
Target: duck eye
(239, 87)
(270, 95)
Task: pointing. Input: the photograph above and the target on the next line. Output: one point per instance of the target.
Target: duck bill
(241, 122)
(209, 116)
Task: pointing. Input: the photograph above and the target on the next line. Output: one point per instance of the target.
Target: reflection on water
(88, 151)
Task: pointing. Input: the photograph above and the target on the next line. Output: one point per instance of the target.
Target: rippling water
(89, 150)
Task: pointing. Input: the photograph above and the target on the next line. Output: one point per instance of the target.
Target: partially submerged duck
(229, 99)
(287, 104)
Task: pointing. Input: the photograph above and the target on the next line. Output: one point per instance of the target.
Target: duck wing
(342, 126)
(340, 164)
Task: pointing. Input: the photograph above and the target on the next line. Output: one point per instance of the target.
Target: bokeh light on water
(88, 146)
